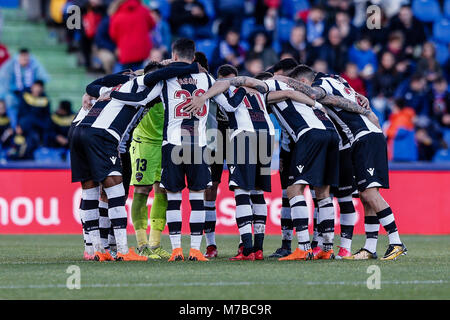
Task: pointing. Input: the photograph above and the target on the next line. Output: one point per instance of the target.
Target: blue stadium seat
(442, 53)
(442, 155)
(441, 30)
(206, 46)
(426, 10)
(447, 8)
(9, 3)
(47, 155)
(248, 27)
(209, 8)
(290, 8)
(163, 6)
(405, 148)
(284, 27)
(446, 136)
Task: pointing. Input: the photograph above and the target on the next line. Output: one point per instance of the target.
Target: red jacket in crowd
(4, 54)
(129, 28)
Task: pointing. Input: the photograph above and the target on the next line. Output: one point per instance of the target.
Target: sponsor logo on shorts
(371, 171)
(232, 168)
(113, 159)
(139, 176)
(300, 168)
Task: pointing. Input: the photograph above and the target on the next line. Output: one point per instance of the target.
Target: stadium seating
(426, 10)
(405, 148)
(447, 8)
(206, 46)
(442, 53)
(290, 8)
(442, 155)
(48, 155)
(284, 29)
(163, 6)
(441, 30)
(446, 136)
(209, 8)
(248, 27)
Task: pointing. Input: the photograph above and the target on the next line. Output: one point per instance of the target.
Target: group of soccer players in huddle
(173, 122)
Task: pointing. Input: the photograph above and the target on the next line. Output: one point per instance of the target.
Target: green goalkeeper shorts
(145, 163)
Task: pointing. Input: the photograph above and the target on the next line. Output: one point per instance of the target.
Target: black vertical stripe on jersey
(123, 119)
(166, 112)
(257, 113)
(344, 138)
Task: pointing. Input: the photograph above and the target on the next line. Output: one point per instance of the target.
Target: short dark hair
(302, 71)
(66, 105)
(184, 48)
(24, 50)
(264, 75)
(201, 58)
(39, 82)
(226, 69)
(285, 65)
(152, 66)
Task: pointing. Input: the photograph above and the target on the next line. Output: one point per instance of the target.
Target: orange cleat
(259, 255)
(103, 256)
(324, 255)
(298, 254)
(130, 256)
(196, 255)
(177, 255)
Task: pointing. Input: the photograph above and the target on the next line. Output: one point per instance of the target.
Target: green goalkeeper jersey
(150, 129)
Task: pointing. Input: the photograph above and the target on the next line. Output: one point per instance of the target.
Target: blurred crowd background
(403, 66)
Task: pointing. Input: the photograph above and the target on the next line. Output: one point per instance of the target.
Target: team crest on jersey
(113, 159)
(300, 168)
(139, 176)
(371, 171)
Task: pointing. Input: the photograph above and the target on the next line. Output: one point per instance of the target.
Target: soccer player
(183, 149)
(225, 71)
(369, 160)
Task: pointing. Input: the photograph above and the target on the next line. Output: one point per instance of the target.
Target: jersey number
(186, 95)
(141, 164)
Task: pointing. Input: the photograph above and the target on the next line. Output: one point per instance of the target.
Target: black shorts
(126, 170)
(217, 166)
(177, 166)
(370, 162)
(315, 160)
(249, 164)
(285, 162)
(347, 183)
(93, 154)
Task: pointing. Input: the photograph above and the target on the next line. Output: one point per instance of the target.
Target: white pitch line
(220, 284)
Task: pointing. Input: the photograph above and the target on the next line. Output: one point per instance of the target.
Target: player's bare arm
(197, 102)
(240, 81)
(343, 103)
(278, 96)
(312, 92)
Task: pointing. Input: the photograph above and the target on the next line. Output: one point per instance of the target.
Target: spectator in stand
(18, 74)
(297, 46)
(4, 54)
(253, 65)
(378, 36)
(231, 13)
(321, 66)
(388, 76)
(230, 51)
(441, 102)
(188, 19)
(416, 95)
(94, 11)
(364, 57)
(354, 80)
(347, 31)
(412, 29)
(129, 28)
(315, 26)
(428, 67)
(402, 116)
(105, 46)
(428, 137)
(6, 131)
(161, 36)
(61, 120)
(334, 52)
(34, 113)
(260, 45)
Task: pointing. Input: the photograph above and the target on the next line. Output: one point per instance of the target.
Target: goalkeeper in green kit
(145, 152)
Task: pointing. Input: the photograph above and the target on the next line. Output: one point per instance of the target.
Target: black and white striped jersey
(116, 116)
(297, 118)
(350, 125)
(250, 114)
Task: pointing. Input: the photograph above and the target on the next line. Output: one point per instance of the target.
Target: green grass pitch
(34, 267)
